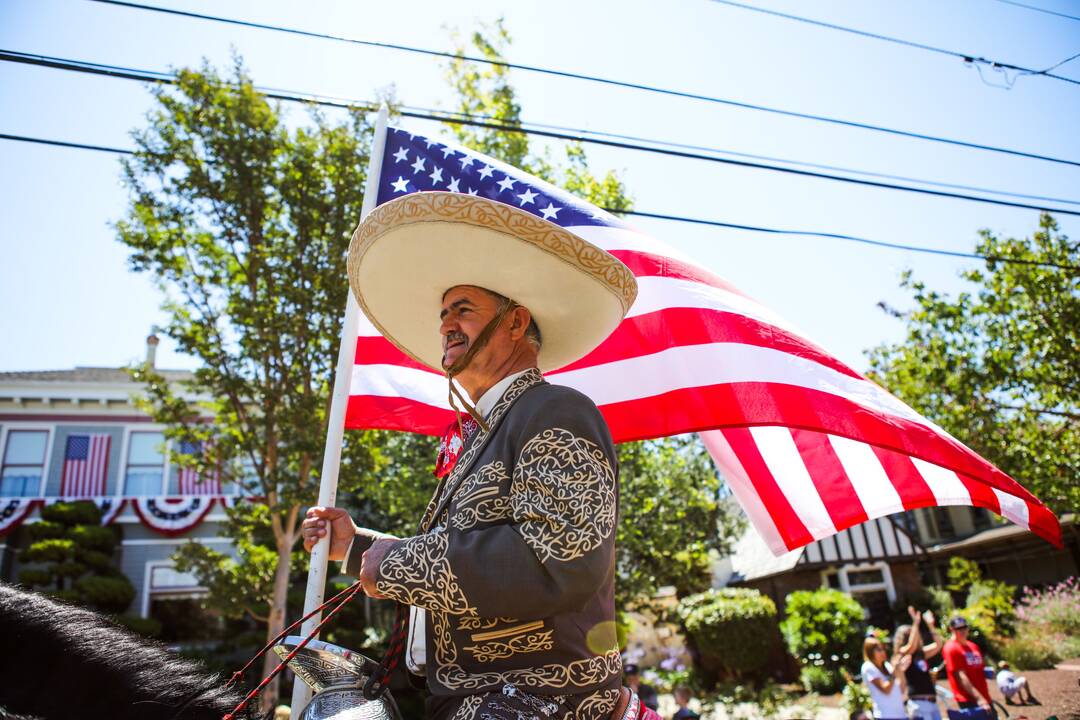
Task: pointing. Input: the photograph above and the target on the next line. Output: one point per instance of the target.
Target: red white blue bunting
(172, 515)
(13, 511)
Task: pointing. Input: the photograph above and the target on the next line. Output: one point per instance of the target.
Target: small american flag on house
(86, 461)
(188, 479)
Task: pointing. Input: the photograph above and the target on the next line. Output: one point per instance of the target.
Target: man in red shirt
(964, 666)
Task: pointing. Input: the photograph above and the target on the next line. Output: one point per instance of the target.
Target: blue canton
(414, 163)
(78, 447)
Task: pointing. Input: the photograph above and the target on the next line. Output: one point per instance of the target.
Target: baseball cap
(958, 622)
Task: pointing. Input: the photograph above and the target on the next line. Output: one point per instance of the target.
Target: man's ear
(520, 318)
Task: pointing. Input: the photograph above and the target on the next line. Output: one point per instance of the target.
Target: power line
(1038, 9)
(131, 74)
(656, 216)
(594, 78)
(966, 57)
(127, 73)
(850, 238)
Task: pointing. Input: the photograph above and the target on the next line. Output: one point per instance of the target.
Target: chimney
(151, 349)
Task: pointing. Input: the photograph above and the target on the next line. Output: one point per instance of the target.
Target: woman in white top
(885, 680)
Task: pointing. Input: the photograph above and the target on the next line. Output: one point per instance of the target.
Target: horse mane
(62, 661)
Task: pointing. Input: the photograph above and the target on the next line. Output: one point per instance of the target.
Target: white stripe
(720, 363)
(672, 369)
(397, 381)
(613, 238)
(739, 482)
(780, 453)
(946, 486)
(1012, 507)
(871, 483)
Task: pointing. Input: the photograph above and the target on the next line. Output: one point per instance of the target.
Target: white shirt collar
(488, 399)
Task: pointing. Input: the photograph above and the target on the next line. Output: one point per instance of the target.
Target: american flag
(188, 480)
(809, 446)
(86, 461)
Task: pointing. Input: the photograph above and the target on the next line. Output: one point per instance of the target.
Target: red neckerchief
(451, 445)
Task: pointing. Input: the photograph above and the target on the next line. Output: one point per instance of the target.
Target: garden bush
(820, 679)
(991, 602)
(731, 627)
(856, 696)
(1029, 654)
(1052, 616)
(824, 629)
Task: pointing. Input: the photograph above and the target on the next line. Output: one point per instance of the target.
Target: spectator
(885, 680)
(1010, 686)
(922, 695)
(964, 666)
(646, 693)
(682, 699)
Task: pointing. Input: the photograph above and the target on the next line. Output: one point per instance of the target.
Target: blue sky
(68, 299)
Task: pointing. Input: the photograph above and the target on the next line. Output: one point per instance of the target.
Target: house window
(145, 464)
(870, 584)
(24, 463)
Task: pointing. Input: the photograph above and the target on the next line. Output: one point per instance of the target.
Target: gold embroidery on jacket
(479, 623)
(563, 494)
(480, 499)
(504, 632)
(417, 572)
(597, 705)
(497, 649)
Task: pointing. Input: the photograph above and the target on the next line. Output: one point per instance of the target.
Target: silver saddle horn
(336, 676)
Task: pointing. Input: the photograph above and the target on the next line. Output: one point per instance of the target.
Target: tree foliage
(71, 557)
(997, 366)
(243, 222)
(823, 630)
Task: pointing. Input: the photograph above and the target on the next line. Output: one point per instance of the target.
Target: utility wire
(339, 102)
(131, 74)
(1038, 9)
(656, 216)
(966, 57)
(593, 78)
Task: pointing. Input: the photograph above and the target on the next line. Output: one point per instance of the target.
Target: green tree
(732, 629)
(71, 557)
(962, 574)
(997, 365)
(823, 630)
(244, 223)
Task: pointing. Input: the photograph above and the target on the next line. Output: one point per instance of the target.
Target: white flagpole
(335, 428)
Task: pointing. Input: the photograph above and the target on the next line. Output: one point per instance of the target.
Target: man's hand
(319, 521)
(369, 565)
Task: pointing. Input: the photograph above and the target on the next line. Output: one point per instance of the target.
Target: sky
(67, 297)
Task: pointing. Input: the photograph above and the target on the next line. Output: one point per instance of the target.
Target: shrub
(1029, 654)
(148, 627)
(941, 603)
(820, 679)
(856, 697)
(991, 602)
(731, 626)
(962, 574)
(1057, 608)
(106, 593)
(823, 628)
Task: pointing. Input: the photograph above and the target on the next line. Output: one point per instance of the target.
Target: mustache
(454, 337)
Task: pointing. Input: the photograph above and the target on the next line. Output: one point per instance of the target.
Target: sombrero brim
(408, 252)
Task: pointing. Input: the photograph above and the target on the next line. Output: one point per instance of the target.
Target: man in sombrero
(511, 573)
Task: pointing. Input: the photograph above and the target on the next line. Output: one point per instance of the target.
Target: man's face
(466, 310)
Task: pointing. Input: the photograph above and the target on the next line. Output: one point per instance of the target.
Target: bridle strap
(463, 362)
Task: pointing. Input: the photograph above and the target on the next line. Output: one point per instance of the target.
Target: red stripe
(831, 480)
(644, 264)
(371, 412)
(906, 478)
(791, 528)
(676, 327)
(650, 333)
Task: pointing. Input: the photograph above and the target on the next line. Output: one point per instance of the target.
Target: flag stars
(505, 184)
(452, 186)
(472, 191)
(436, 176)
(401, 154)
(447, 152)
(465, 161)
(550, 212)
(485, 172)
(418, 166)
(526, 198)
(401, 184)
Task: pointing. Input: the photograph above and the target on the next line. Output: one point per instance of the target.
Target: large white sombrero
(408, 252)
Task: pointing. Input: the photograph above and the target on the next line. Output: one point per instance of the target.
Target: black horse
(59, 662)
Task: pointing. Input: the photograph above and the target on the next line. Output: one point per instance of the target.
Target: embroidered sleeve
(417, 572)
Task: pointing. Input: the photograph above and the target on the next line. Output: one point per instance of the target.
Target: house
(77, 433)
(877, 562)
